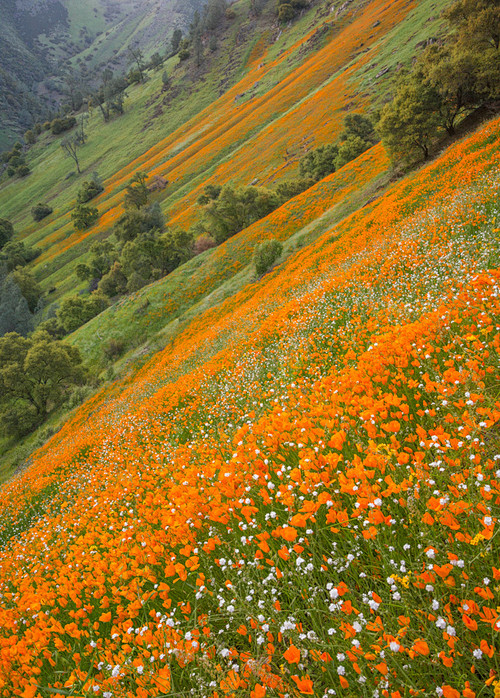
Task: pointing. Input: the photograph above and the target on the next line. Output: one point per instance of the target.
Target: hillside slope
(298, 495)
(38, 38)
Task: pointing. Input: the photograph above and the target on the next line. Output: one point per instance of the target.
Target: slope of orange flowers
(302, 110)
(299, 496)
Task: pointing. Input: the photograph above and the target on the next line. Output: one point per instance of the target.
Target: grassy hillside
(298, 494)
(287, 485)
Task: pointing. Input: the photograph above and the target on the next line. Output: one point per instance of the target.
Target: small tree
(137, 193)
(84, 216)
(266, 254)
(6, 231)
(175, 41)
(30, 288)
(70, 147)
(409, 123)
(137, 57)
(35, 375)
(320, 162)
(41, 211)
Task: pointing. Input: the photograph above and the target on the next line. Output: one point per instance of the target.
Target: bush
(40, 211)
(203, 243)
(88, 191)
(58, 126)
(113, 349)
(84, 216)
(320, 162)
(266, 254)
(6, 231)
(23, 171)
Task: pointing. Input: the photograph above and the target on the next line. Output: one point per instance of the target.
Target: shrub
(23, 171)
(58, 126)
(84, 216)
(203, 243)
(6, 231)
(114, 348)
(88, 191)
(41, 211)
(266, 254)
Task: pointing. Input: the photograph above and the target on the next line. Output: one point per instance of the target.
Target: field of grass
(299, 495)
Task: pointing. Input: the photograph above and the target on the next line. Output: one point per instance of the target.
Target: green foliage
(350, 149)
(77, 310)
(360, 126)
(102, 257)
(137, 193)
(29, 286)
(30, 137)
(17, 254)
(266, 254)
(236, 208)
(211, 192)
(448, 82)
(40, 211)
(22, 171)
(15, 315)
(6, 231)
(114, 283)
(84, 216)
(134, 222)
(156, 61)
(59, 125)
(35, 375)
(289, 9)
(88, 191)
(175, 40)
(320, 162)
(293, 187)
(409, 123)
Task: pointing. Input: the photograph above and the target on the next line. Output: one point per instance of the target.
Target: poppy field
(300, 494)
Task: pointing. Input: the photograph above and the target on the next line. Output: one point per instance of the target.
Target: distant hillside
(38, 37)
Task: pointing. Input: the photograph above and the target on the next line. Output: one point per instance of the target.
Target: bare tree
(70, 147)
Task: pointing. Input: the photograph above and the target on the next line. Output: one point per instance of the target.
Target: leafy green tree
(175, 41)
(17, 254)
(410, 122)
(76, 311)
(134, 222)
(289, 9)
(293, 187)
(15, 315)
(237, 208)
(29, 286)
(175, 247)
(156, 61)
(101, 258)
(266, 254)
(476, 22)
(210, 193)
(88, 191)
(114, 283)
(40, 211)
(453, 75)
(6, 231)
(35, 375)
(136, 56)
(350, 149)
(360, 126)
(84, 216)
(30, 137)
(320, 162)
(66, 123)
(137, 192)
